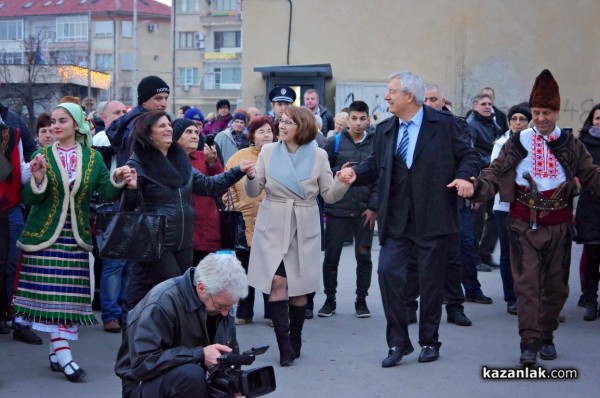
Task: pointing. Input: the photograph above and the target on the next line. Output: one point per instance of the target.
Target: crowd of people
(441, 189)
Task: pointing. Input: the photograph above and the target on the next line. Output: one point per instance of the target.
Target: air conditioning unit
(198, 36)
(186, 87)
(199, 44)
(152, 27)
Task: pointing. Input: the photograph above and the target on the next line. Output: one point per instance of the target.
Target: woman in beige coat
(286, 250)
(260, 132)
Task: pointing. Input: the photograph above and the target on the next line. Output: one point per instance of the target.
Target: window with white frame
(224, 78)
(188, 6)
(11, 58)
(104, 61)
(187, 76)
(225, 5)
(126, 29)
(72, 28)
(104, 28)
(186, 40)
(228, 39)
(11, 29)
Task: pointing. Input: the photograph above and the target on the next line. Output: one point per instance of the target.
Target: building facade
(208, 53)
(92, 49)
(463, 46)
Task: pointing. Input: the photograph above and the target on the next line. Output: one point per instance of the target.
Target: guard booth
(298, 77)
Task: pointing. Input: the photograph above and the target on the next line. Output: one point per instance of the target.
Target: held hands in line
(248, 167)
(127, 174)
(37, 166)
(346, 175)
(464, 188)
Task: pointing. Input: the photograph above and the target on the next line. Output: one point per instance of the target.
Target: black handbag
(233, 227)
(129, 235)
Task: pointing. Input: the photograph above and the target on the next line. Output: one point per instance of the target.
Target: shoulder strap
(336, 147)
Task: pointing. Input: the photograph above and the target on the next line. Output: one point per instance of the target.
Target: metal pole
(174, 86)
(134, 40)
(89, 66)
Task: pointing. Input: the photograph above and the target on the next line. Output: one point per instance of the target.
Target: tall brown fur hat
(544, 93)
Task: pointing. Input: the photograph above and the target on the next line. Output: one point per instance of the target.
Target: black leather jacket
(176, 203)
(168, 329)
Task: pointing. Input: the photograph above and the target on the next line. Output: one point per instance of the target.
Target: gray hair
(479, 97)
(411, 83)
(319, 121)
(433, 86)
(222, 273)
(102, 107)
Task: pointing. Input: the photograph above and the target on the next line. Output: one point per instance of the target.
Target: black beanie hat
(149, 87)
(179, 126)
(522, 108)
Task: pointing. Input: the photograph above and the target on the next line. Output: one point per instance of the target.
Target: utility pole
(134, 40)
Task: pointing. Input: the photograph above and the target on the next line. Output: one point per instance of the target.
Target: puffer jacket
(157, 182)
(360, 197)
(168, 329)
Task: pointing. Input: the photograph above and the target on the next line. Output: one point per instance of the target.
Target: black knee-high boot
(281, 324)
(296, 325)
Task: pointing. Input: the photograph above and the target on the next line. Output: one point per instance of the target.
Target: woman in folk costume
(53, 292)
(286, 248)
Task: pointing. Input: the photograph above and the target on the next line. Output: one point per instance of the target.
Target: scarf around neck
(290, 171)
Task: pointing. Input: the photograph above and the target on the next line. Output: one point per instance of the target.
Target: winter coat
(218, 125)
(12, 119)
(167, 184)
(587, 217)
(358, 198)
(288, 224)
(207, 230)
(227, 145)
(485, 132)
(51, 201)
(168, 329)
(242, 202)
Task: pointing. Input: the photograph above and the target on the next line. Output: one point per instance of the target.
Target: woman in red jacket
(207, 234)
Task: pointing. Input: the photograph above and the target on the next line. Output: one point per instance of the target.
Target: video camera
(226, 379)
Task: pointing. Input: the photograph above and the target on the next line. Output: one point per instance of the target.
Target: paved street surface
(341, 355)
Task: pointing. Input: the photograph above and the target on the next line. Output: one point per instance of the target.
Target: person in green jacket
(53, 291)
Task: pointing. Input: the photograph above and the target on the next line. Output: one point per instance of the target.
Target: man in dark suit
(423, 161)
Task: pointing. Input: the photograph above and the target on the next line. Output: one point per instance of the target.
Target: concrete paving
(341, 355)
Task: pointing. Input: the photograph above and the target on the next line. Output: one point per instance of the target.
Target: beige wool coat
(288, 223)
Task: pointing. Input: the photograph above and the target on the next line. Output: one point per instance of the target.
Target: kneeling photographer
(180, 329)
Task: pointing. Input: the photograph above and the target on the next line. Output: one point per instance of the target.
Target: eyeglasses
(518, 119)
(287, 122)
(220, 307)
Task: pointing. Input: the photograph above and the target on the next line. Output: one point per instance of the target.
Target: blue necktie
(403, 146)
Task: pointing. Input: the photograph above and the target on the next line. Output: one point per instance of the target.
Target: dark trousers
(590, 287)
(453, 292)
(431, 256)
(468, 255)
(485, 231)
(335, 235)
(184, 381)
(245, 309)
(508, 284)
(540, 261)
(145, 275)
